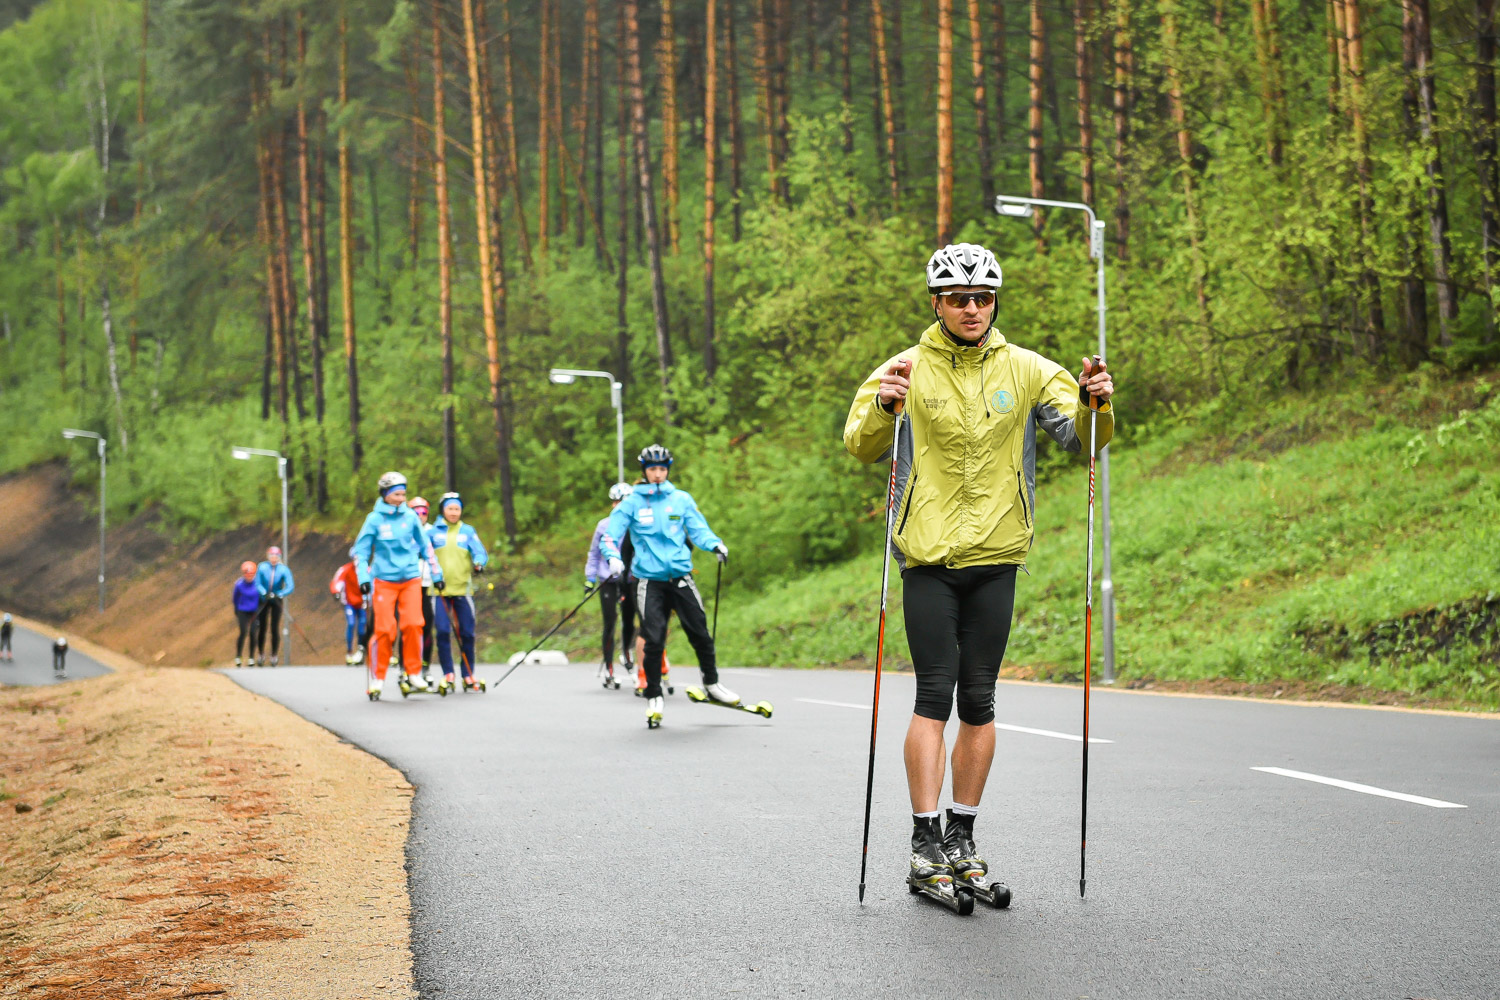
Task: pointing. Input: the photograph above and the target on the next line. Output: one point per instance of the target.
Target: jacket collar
(649, 490)
(381, 507)
(933, 338)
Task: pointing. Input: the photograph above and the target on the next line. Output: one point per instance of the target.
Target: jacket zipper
(911, 492)
(1021, 491)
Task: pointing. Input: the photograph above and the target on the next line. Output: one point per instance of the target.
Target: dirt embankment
(165, 833)
(168, 602)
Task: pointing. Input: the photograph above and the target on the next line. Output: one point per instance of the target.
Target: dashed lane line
(999, 725)
(1355, 786)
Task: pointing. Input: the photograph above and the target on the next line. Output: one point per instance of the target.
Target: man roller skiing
(613, 591)
(663, 524)
(387, 554)
(963, 525)
(461, 555)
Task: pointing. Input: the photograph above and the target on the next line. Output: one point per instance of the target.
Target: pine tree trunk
(945, 123)
(846, 74)
(581, 114)
(140, 124)
(894, 43)
(1123, 84)
(310, 268)
(1437, 198)
(1001, 67)
(1268, 56)
(486, 286)
(276, 344)
(981, 108)
(736, 129)
(667, 66)
(624, 192)
(710, 168)
(445, 243)
(544, 124)
(765, 95)
(1484, 149)
(1085, 99)
(1374, 309)
(414, 188)
(1413, 286)
(648, 206)
(512, 150)
(781, 92)
(887, 103)
(1035, 124)
(346, 245)
(62, 307)
(1173, 58)
(559, 133)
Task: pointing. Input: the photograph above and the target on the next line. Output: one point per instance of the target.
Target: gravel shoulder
(166, 833)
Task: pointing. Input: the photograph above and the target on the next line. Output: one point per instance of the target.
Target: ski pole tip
(1080, 888)
(861, 894)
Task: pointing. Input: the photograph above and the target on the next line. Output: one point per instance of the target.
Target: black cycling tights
(957, 626)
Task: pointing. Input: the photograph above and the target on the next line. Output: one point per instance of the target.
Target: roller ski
(475, 685)
(969, 869)
(611, 679)
(653, 712)
(931, 873)
(718, 694)
(411, 684)
(666, 679)
(374, 687)
(446, 686)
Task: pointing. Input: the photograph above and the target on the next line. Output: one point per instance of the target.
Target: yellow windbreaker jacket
(966, 466)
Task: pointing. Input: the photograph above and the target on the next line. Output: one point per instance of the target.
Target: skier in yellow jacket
(965, 503)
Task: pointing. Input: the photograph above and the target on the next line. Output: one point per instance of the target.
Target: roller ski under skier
(931, 872)
(718, 694)
(970, 871)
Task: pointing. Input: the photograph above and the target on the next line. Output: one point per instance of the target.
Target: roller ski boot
(653, 712)
(275, 660)
(475, 685)
(374, 689)
(666, 679)
(445, 686)
(717, 694)
(969, 869)
(931, 873)
(237, 661)
(411, 684)
(611, 679)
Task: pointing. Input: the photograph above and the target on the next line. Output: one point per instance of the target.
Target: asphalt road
(33, 662)
(560, 849)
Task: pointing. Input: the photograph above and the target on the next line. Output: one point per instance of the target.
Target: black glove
(438, 585)
(364, 588)
(478, 569)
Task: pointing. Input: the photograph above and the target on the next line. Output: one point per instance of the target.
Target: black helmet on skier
(448, 498)
(655, 454)
(390, 481)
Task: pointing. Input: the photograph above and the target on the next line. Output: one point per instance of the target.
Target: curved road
(559, 849)
(33, 662)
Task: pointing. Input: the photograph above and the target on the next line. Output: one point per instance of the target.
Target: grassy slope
(1235, 534)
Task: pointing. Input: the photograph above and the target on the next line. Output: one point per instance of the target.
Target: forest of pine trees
(361, 231)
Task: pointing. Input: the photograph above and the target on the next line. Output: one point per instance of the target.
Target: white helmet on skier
(962, 265)
(390, 481)
(617, 492)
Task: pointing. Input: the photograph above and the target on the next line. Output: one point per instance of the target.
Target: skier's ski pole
(1088, 638)
(588, 594)
(885, 579)
(718, 581)
(316, 651)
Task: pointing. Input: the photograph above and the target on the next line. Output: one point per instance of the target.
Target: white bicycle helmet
(390, 481)
(619, 491)
(960, 264)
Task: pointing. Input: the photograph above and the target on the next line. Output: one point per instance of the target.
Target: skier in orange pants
(388, 555)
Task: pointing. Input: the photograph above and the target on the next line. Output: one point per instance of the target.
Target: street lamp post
(245, 454)
(1016, 207)
(567, 376)
(71, 433)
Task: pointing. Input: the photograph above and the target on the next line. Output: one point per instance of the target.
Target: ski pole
(1088, 638)
(293, 621)
(588, 594)
(718, 581)
(454, 632)
(885, 579)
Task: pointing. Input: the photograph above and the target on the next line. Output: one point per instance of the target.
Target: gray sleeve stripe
(1059, 427)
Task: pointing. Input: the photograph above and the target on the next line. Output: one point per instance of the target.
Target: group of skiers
(7, 655)
(258, 599)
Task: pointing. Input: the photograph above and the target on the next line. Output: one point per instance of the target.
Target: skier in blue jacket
(273, 579)
(664, 523)
(388, 554)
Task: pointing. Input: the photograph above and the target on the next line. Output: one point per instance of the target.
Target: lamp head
(561, 378)
(1016, 210)
(240, 453)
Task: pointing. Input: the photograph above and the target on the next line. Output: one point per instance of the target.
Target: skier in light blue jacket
(664, 523)
(273, 579)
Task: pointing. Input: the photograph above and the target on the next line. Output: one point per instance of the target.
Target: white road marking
(998, 725)
(835, 704)
(1355, 786)
(1048, 732)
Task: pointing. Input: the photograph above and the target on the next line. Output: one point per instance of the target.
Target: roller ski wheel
(373, 691)
(421, 687)
(960, 900)
(474, 684)
(701, 697)
(446, 687)
(997, 894)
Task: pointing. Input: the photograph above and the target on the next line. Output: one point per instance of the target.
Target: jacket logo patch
(1003, 401)
(646, 516)
(934, 403)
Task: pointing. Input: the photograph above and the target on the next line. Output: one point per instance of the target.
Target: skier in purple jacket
(246, 601)
(612, 591)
